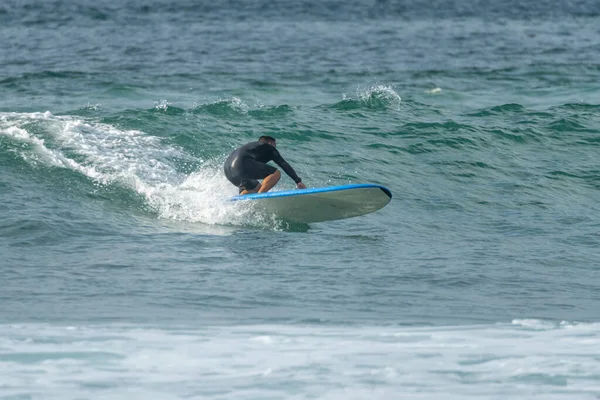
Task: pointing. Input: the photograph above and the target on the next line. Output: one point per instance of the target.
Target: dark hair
(266, 139)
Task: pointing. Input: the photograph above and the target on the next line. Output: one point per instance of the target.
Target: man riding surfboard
(248, 163)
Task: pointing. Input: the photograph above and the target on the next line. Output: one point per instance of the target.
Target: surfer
(248, 163)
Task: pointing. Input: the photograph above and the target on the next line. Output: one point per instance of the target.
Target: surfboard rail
(296, 192)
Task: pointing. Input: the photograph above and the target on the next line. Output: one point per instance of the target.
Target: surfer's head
(267, 139)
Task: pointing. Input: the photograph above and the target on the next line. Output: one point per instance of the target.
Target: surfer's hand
(301, 185)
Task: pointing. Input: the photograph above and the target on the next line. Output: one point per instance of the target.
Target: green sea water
(126, 273)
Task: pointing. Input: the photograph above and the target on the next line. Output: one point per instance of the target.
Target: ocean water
(125, 274)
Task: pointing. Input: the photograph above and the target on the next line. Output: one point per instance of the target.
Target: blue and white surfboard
(322, 204)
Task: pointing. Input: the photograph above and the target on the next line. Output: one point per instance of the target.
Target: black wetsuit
(249, 163)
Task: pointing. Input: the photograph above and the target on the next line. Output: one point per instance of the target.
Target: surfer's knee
(274, 177)
(270, 181)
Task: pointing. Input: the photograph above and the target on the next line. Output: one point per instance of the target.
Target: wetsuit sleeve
(277, 159)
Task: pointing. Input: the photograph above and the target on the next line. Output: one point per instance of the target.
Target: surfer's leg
(253, 170)
(270, 181)
(249, 186)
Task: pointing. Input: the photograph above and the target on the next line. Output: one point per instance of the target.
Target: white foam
(300, 362)
(134, 160)
(46, 156)
(534, 324)
(161, 105)
(238, 104)
(93, 107)
(377, 93)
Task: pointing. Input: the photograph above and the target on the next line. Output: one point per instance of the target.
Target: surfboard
(322, 204)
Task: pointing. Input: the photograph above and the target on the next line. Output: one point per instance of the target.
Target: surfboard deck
(322, 204)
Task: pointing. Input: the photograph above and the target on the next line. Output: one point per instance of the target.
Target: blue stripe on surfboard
(300, 192)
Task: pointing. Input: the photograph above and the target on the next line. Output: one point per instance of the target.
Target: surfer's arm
(287, 168)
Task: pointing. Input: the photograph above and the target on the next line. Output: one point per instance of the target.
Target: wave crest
(375, 98)
(133, 161)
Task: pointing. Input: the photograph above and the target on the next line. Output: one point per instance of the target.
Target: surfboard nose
(386, 191)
